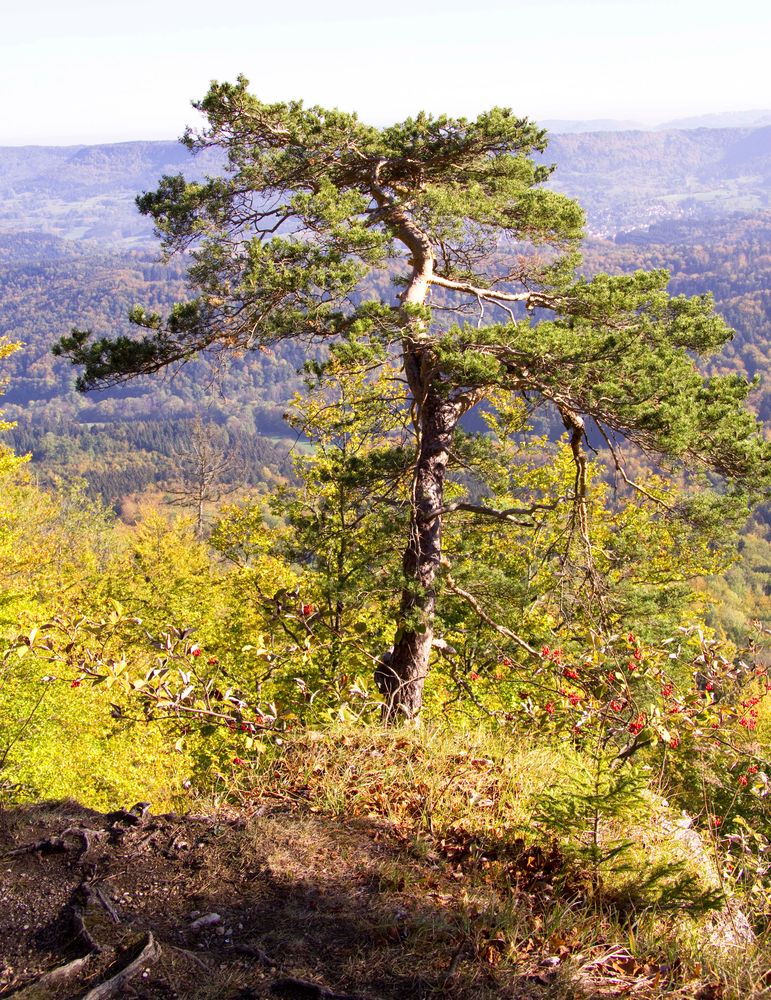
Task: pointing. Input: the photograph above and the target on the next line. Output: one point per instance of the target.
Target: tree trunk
(402, 673)
(199, 518)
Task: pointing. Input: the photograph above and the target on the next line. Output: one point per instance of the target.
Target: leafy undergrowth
(371, 864)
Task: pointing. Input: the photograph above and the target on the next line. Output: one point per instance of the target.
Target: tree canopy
(318, 215)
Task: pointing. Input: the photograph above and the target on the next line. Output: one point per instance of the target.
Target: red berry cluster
(744, 779)
(750, 719)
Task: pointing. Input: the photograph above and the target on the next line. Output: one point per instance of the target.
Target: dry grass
(459, 807)
(385, 865)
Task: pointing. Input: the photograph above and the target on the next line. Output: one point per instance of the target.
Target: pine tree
(314, 208)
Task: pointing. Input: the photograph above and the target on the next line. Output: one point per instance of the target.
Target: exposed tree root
(50, 845)
(149, 954)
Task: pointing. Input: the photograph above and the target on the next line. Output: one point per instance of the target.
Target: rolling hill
(74, 251)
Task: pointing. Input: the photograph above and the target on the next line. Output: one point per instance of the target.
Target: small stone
(207, 920)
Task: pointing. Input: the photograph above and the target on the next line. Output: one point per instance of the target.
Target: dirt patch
(285, 904)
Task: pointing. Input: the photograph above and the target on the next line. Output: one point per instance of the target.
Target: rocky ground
(283, 901)
(135, 905)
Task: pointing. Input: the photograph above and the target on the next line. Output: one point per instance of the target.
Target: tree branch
(622, 472)
(502, 515)
(500, 629)
(531, 300)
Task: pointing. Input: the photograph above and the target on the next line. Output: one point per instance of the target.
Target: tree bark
(402, 675)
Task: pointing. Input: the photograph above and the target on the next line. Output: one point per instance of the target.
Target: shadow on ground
(284, 904)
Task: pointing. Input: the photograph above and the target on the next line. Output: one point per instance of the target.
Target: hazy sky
(108, 70)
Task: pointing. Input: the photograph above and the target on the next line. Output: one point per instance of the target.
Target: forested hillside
(727, 257)
(624, 178)
(628, 180)
(442, 701)
(49, 284)
(87, 192)
(123, 441)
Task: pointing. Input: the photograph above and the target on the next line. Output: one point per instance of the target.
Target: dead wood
(149, 955)
(52, 981)
(106, 903)
(81, 932)
(58, 843)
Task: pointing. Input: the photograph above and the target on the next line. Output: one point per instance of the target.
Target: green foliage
(60, 741)
(319, 172)
(593, 807)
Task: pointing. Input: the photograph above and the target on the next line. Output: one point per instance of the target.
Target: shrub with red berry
(684, 700)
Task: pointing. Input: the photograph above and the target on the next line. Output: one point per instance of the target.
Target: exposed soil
(284, 904)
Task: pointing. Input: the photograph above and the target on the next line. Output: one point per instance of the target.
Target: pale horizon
(92, 72)
(75, 143)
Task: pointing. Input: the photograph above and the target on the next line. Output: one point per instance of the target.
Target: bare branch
(509, 514)
(622, 472)
(500, 629)
(531, 300)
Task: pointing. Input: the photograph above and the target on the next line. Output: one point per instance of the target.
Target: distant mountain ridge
(721, 119)
(569, 125)
(88, 192)
(627, 180)
(624, 178)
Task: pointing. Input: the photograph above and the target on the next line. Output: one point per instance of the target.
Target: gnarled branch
(510, 514)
